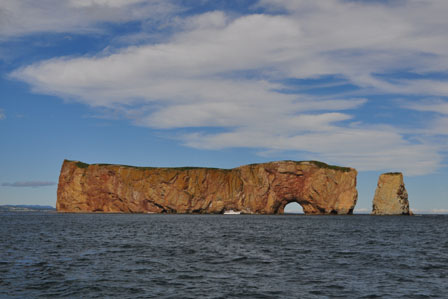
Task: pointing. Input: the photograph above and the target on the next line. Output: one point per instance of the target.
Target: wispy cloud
(438, 106)
(228, 72)
(21, 17)
(2, 114)
(438, 122)
(33, 184)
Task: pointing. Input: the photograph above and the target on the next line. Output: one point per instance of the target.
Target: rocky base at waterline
(391, 197)
(252, 189)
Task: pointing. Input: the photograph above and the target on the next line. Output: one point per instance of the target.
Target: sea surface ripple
(222, 256)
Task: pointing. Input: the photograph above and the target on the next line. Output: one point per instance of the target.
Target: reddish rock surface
(254, 189)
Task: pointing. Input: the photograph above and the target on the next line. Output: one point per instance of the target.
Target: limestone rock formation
(391, 197)
(253, 189)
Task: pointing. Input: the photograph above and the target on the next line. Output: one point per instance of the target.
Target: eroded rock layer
(391, 197)
(254, 189)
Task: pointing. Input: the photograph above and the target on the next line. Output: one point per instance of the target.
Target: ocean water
(222, 256)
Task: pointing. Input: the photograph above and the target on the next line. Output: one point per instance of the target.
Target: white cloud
(19, 17)
(439, 126)
(111, 3)
(2, 114)
(359, 39)
(203, 76)
(363, 148)
(437, 106)
(438, 123)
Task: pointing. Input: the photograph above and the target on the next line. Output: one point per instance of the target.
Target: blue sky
(224, 83)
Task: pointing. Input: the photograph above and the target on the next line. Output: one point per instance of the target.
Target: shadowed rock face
(391, 197)
(254, 189)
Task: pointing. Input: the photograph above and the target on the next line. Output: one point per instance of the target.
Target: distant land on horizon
(26, 208)
(37, 208)
(34, 208)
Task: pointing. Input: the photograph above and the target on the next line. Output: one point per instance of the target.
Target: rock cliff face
(254, 189)
(391, 197)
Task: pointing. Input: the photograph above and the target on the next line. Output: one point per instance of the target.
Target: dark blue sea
(222, 256)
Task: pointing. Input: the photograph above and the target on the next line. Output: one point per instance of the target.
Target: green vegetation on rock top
(82, 165)
(85, 165)
(393, 173)
(316, 163)
(324, 165)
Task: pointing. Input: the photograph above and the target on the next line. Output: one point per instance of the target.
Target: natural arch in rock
(293, 207)
(306, 206)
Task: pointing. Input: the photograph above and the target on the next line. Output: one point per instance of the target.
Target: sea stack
(391, 197)
(263, 188)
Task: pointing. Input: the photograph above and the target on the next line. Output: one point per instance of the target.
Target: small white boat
(232, 212)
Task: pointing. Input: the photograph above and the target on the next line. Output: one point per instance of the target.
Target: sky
(221, 83)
